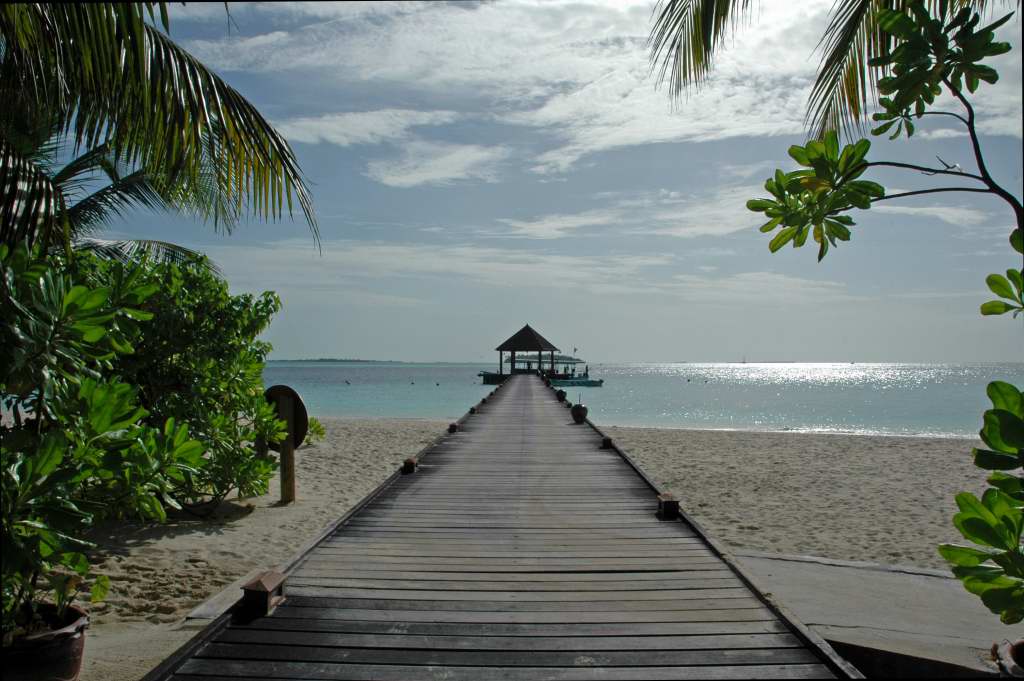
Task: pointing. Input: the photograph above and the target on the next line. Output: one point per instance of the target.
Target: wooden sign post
(291, 410)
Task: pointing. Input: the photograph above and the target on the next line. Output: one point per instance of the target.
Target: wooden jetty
(523, 547)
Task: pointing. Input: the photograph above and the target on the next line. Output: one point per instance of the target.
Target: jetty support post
(286, 412)
(668, 507)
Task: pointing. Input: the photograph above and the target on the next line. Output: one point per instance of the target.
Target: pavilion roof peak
(527, 340)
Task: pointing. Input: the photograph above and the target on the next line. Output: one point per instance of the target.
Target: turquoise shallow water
(879, 399)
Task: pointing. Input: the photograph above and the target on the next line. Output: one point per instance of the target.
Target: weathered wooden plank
(722, 641)
(610, 629)
(724, 579)
(661, 595)
(573, 657)
(715, 571)
(513, 606)
(384, 672)
(738, 611)
(411, 551)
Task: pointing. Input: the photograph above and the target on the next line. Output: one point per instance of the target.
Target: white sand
(159, 573)
(879, 499)
(849, 497)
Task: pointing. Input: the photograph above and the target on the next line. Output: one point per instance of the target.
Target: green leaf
(992, 430)
(1009, 484)
(1005, 396)
(977, 523)
(94, 299)
(799, 154)
(770, 225)
(49, 456)
(1017, 280)
(882, 129)
(964, 555)
(1017, 240)
(138, 315)
(73, 296)
(100, 589)
(1011, 428)
(995, 461)
(995, 307)
(760, 205)
(782, 238)
(999, 285)
(895, 23)
(89, 332)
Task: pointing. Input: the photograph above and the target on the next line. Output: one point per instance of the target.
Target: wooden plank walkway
(519, 550)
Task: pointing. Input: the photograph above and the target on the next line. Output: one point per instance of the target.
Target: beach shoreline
(752, 490)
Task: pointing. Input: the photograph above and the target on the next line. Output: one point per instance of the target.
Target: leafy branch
(930, 54)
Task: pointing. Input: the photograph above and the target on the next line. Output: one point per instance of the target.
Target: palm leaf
(685, 36)
(119, 81)
(116, 199)
(30, 201)
(137, 250)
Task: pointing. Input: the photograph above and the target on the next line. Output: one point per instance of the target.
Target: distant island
(339, 361)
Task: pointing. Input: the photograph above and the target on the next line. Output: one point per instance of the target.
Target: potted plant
(579, 412)
(48, 641)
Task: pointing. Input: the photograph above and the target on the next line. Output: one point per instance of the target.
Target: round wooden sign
(300, 419)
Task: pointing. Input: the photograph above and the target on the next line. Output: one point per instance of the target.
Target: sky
(476, 167)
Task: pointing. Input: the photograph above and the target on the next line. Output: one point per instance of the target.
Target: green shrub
(315, 432)
(74, 447)
(198, 362)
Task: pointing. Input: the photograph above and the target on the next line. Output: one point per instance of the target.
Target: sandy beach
(880, 499)
(850, 497)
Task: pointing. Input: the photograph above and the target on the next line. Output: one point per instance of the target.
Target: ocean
(939, 400)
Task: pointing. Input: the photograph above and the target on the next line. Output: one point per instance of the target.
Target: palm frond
(113, 200)
(845, 83)
(138, 250)
(685, 36)
(30, 201)
(118, 80)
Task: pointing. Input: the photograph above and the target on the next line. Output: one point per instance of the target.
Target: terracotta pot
(579, 413)
(54, 655)
(1009, 655)
(560, 395)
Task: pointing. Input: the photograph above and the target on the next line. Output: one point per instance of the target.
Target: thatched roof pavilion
(526, 340)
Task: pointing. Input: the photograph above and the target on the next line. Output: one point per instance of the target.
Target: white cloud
(721, 211)
(577, 70)
(953, 215)
(366, 265)
(770, 286)
(434, 163)
(360, 127)
(664, 212)
(556, 226)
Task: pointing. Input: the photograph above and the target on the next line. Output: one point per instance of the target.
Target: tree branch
(980, 160)
(941, 113)
(937, 190)
(925, 169)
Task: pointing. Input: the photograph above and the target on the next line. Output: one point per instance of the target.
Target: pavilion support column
(512, 366)
(551, 356)
(540, 363)
(501, 365)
